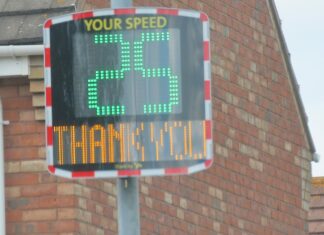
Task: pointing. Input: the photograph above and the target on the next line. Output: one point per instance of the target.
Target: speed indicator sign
(128, 93)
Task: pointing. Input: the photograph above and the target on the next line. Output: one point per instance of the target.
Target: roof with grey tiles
(21, 21)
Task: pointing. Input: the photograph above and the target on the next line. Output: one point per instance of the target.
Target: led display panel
(128, 93)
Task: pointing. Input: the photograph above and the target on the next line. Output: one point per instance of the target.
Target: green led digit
(136, 64)
(109, 75)
(155, 73)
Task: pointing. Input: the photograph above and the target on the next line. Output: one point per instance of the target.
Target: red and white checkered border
(140, 172)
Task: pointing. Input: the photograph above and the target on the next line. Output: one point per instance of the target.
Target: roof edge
(38, 11)
(292, 76)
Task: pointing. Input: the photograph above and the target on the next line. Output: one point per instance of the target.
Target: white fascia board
(14, 66)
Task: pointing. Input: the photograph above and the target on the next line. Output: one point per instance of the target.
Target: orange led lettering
(190, 139)
(136, 144)
(79, 144)
(122, 143)
(185, 142)
(118, 142)
(157, 151)
(143, 154)
(161, 138)
(165, 127)
(94, 144)
(128, 143)
(152, 131)
(60, 130)
(133, 138)
(118, 136)
(157, 142)
(171, 140)
(111, 132)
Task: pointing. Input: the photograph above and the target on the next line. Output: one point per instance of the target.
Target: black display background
(192, 72)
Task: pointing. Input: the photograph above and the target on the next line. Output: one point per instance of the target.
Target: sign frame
(204, 164)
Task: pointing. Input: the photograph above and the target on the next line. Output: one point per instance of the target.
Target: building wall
(258, 184)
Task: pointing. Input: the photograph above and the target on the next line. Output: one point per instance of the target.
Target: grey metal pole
(128, 206)
(127, 188)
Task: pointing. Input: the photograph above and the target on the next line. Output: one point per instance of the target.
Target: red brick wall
(35, 201)
(258, 183)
